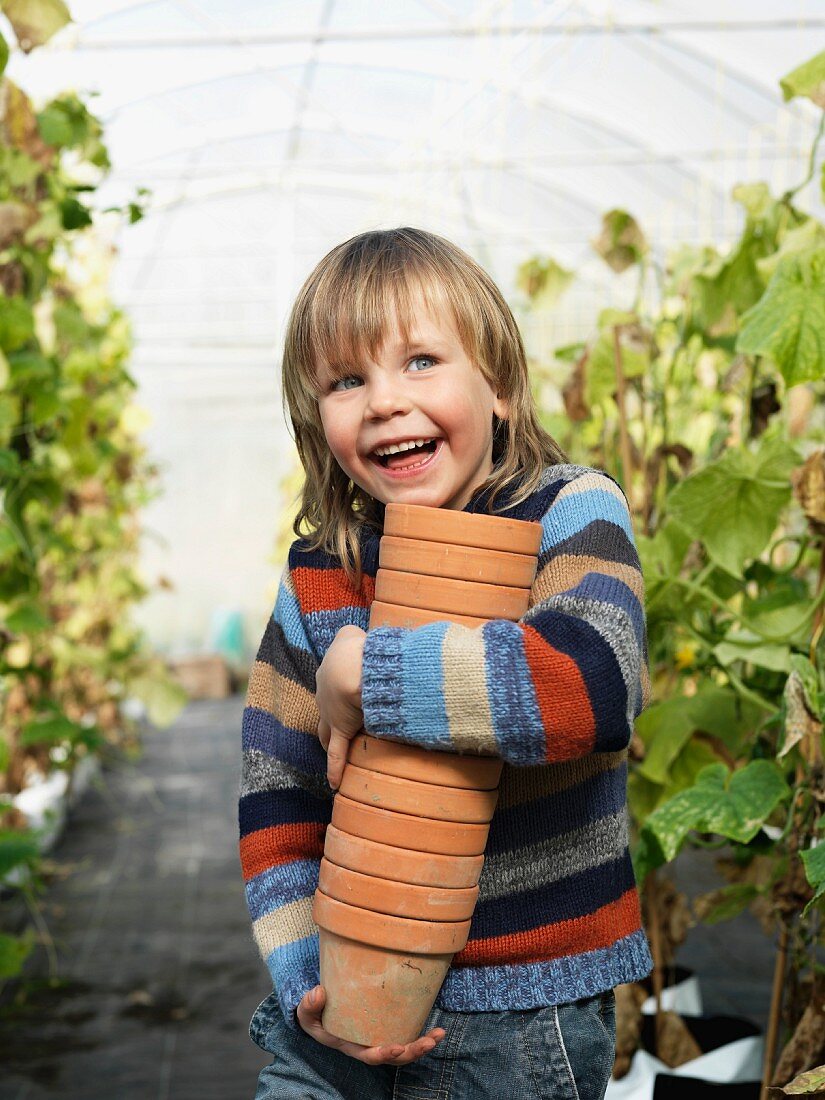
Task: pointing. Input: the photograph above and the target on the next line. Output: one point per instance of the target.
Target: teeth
(394, 448)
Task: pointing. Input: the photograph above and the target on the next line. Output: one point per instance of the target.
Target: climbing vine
(73, 471)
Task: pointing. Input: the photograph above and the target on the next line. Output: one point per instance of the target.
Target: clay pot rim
(473, 806)
(380, 754)
(440, 833)
(396, 899)
(400, 934)
(404, 862)
(472, 525)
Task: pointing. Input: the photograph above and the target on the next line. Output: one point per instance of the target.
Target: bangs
(352, 315)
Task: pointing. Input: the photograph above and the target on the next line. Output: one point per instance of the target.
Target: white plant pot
(684, 996)
(46, 803)
(736, 1063)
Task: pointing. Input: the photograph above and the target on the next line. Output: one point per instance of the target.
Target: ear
(501, 407)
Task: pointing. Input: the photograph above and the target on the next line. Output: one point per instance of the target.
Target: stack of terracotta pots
(404, 851)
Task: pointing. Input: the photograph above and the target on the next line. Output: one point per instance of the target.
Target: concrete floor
(158, 971)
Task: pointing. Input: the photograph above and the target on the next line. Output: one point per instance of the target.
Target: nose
(385, 397)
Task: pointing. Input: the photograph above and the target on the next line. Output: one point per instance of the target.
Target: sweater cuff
(381, 682)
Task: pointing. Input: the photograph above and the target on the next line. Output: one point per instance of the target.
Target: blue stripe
(551, 981)
(424, 710)
(287, 614)
(262, 731)
(513, 706)
(294, 969)
(610, 590)
(266, 809)
(568, 898)
(326, 624)
(573, 513)
(558, 812)
(278, 886)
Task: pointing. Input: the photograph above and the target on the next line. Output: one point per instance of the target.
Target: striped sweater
(554, 695)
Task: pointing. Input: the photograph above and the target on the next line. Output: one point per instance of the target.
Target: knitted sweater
(554, 695)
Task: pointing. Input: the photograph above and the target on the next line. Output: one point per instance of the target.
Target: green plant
(73, 472)
(705, 396)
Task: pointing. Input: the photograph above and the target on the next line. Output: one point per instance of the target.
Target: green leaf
(621, 242)
(50, 731)
(733, 505)
(730, 285)
(16, 323)
(14, 950)
(4, 54)
(743, 645)
(809, 236)
(755, 197)
(75, 215)
(667, 729)
(35, 21)
(17, 847)
(570, 352)
(729, 902)
(807, 1083)
(814, 862)
(788, 322)
(543, 281)
(27, 619)
(807, 79)
(734, 805)
(664, 728)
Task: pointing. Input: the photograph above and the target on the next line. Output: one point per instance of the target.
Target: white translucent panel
(268, 133)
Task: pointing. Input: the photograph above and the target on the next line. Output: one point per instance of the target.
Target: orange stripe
(554, 941)
(564, 705)
(279, 844)
(329, 589)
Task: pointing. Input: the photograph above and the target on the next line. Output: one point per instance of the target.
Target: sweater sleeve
(285, 800)
(566, 680)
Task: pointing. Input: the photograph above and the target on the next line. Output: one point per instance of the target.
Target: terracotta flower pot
(435, 806)
(402, 864)
(486, 601)
(406, 796)
(411, 762)
(399, 899)
(449, 838)
(418, 521)
(391, 614)
(381, 973)
(464, 563)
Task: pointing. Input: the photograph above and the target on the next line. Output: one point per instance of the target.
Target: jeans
(559, 1052)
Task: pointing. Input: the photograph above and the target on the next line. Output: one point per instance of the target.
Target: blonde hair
(341, 312)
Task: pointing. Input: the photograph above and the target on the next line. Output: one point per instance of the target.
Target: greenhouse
(513, 745)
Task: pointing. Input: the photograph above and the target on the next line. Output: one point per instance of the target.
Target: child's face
(429, 390)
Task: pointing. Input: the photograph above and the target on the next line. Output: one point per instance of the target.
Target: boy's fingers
(323, 733)
(336, 757)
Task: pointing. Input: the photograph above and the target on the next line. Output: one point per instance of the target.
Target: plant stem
(786, 198)
(776, 1004)
(624, 435)
(819, 617)
(43, 929)
(651, 895)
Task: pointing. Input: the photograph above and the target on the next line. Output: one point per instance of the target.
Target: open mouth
(414, 453)
(408, 462)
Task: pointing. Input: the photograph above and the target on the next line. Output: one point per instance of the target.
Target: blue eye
(429, 358)
(346, 378)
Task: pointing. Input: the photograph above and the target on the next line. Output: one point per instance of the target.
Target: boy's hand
(338, 697)
(397, 1054)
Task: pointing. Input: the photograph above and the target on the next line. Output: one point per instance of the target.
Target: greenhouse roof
(268, 133)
